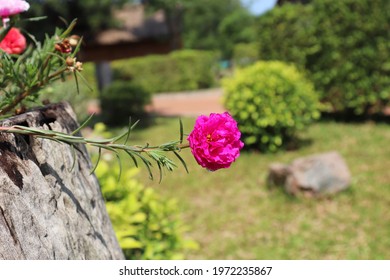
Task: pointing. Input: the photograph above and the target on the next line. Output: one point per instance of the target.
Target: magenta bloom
(215, 141)
(12, 7)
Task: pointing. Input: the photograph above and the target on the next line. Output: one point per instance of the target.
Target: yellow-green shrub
(271, 101)
(147, 226)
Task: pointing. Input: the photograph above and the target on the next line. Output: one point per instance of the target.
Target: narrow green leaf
(97, 161)
(181, 160)
(74, 155)
(147, 164)
(119, 137)
(116, 154)
(132, 157)
(181, 131)
(134, 124)
(84, 80)
(77, 81)
(128, 132)
(160, 170)
(120, 165)
(82, 125)
(34, 18)
(69, 29)
(77, 48)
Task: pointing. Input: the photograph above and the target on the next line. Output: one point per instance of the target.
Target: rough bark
(47, 210)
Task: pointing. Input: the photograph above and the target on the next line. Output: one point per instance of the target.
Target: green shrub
(245, 54)
(123, 99)
(270, 101)
(178, 71)
(290, 28)
(146, 225)
(344, 45)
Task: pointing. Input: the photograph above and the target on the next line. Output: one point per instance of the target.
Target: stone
(317, 174)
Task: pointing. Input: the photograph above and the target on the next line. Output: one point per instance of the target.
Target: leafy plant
(245, 54)
(271, 101)
(122, 99)
(146, 226)
(23, 76)
(344, 46)
(180, 70)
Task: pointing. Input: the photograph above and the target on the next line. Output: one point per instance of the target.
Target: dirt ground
(192, 103)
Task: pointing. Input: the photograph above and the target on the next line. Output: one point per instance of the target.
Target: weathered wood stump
(47, 210)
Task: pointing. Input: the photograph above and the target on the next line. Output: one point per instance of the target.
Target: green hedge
(344, 45)
(178, 71)
(123, 99)
(271, 101)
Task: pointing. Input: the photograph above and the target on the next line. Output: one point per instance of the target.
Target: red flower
(14, 42)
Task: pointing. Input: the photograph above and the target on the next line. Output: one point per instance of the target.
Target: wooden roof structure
(139, 34)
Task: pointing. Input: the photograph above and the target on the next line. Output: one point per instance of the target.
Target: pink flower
(215, 141)
(12, 7)
(14, 42)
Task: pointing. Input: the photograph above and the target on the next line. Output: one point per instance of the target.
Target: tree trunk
(47, 209)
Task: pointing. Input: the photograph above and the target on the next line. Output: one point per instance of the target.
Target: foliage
(210, 25)
(245, 54)
(93, 16)
(180, 70)
(217, 25)
(234, 215)
(344, 45)
(80, 100)
(23, 76)
(271, 101)
(291, 29)
(147, 226)
(122, 99)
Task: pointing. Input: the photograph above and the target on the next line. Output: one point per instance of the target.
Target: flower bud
(70, 62)
(74, 40)
(64, 46)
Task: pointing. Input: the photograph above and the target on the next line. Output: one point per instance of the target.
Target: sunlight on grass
(234, 215)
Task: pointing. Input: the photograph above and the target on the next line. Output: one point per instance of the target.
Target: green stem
(20, 97)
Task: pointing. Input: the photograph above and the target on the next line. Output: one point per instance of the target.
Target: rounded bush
(270, 101)
(123, 99)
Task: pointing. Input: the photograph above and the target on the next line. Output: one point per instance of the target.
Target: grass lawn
(233, 215)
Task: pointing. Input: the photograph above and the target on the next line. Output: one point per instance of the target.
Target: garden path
(189, 103)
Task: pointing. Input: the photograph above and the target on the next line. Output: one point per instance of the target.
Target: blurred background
(300, 77)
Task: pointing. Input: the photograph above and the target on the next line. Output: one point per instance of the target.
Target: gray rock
(317, 174)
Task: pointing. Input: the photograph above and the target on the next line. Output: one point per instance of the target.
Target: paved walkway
(190, 103)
